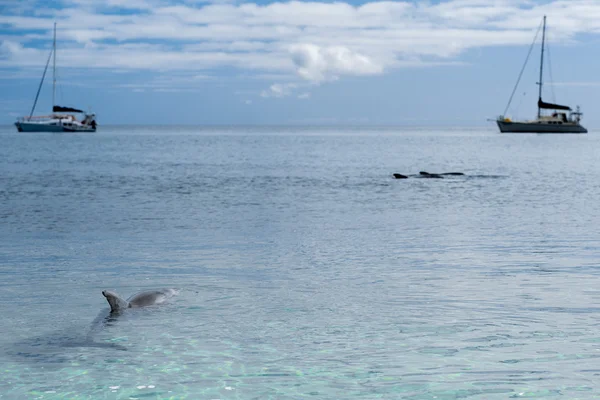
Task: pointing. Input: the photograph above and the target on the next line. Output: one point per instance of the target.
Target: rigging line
(550, 70)
(41, 82)
(522, 69)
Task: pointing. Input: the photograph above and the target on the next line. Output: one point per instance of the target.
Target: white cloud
(317, 64)
(279, 90)
(123, 4)
(316, 41)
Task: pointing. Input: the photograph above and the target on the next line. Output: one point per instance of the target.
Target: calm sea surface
(304, 269)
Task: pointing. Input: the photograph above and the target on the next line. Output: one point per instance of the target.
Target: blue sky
(450, 62)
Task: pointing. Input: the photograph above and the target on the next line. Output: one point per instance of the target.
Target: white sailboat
(62, 119)
(562, 119)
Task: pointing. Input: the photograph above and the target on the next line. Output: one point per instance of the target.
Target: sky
(225, 62)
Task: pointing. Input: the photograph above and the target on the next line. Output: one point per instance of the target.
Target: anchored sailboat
(62, 118)
(556, 122)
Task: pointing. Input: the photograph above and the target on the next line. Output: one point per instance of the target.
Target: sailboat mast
(542, 66)
(54, 68)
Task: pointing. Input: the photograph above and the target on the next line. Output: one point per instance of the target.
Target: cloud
(108, 4)
(317, 64)
(12, 52)
(279, 90)
(315, 41)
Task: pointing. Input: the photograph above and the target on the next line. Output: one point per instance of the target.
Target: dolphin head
(116, 303)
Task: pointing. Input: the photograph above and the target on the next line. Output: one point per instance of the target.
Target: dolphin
(423, 174)
(141, 299)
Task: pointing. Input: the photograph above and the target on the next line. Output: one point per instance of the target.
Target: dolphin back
(150, 297)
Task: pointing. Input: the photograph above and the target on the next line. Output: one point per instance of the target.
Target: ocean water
(304, 269)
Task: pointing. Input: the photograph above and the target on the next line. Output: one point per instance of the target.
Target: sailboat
(558, 121)
(62, 118)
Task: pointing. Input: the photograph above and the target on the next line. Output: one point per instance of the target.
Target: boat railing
(47, 117)
(35, 118)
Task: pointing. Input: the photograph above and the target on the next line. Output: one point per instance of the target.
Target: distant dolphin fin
(428, 175)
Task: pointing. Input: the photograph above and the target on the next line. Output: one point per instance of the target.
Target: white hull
(539, 127)
(23, 126)
(36, 127)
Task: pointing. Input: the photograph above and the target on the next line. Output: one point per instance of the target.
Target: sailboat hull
(539, 127)
(50, 127)
(37, 127)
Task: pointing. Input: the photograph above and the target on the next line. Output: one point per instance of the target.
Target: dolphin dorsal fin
(115, 302)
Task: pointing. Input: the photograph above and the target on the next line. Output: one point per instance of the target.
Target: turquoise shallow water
(304, 269)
